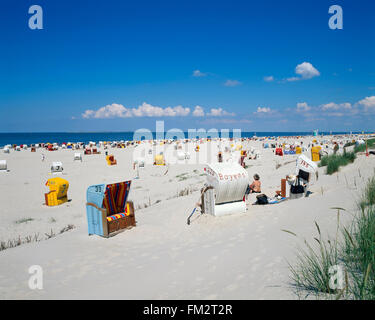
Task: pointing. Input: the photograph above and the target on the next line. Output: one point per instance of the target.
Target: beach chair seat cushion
(116, 216)
(120, 215)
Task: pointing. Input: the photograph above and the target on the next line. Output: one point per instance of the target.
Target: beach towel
(272, 201)
(276, 200)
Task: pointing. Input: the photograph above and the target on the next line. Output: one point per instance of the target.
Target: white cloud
(109, 111)
(145, 110)
(198, 111)
(268, 78)
(263, 110)
(198, 73)
(305, 70)
(219, 112)
(303, 107)
(336, 106)
(232, 83)
(368, 103)
(293, 79)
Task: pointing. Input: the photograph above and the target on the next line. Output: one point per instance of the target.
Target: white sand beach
(240, 256)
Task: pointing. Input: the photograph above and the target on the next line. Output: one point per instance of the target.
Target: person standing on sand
(43, 157)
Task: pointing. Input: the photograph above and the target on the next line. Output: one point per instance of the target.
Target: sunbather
(255, 186)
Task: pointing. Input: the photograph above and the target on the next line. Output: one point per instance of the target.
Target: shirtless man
(255, 186)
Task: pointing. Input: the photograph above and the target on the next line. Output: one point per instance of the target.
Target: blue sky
(120, 66)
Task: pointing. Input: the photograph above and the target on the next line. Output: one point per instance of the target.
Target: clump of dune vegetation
(334, 161)
(353, 250)
(12, 243)
(23, 220)
(362, 147)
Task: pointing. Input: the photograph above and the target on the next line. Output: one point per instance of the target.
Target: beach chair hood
(305, 164)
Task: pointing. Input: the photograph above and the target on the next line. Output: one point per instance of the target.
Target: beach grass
(362, 147)
(24, 220)
(354, 253)
(334, 161)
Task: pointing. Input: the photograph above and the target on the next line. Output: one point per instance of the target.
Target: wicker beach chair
(108, 211)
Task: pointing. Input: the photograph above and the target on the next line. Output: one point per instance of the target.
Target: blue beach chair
(108, 211)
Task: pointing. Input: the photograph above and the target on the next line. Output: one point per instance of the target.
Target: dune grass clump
(354, 253)
(368, 198)
(312, 272)
(334, 161)
(362, 147)
(359, 255)
(23, 220)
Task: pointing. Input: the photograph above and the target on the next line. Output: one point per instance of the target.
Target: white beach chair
(225, 189)
(56, 168)
(3, 166)
(78, 156)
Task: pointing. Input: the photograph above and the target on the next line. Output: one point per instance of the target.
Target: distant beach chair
(6, 150)
(57, 167)
(111, 160)
(159, 160)
(87, 151)
(33, 149)
(140, 162)
(315, 153)
(95, 151)
(58, 193)
(180, 155)
(279, 152)
(77, 156)
(3, 166)
(107, 208)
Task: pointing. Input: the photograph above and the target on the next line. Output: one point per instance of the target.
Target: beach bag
(262, 199)
(295, 189)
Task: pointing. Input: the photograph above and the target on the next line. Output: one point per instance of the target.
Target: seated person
(255, 186)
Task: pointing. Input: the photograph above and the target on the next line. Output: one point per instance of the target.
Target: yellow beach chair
(159, 160)
(58, 193)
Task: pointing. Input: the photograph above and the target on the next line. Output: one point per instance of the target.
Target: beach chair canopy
(56, 167)
(3, 165)
(229, 180)
(115, 197)
(305, 165)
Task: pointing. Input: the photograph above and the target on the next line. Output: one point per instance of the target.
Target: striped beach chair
(108, 211)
